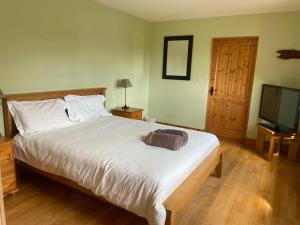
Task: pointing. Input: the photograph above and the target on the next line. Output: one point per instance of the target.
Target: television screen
(280, 106)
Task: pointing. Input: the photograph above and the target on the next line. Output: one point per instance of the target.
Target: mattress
(107, 156)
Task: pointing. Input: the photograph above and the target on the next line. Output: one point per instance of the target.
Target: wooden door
(230, 86)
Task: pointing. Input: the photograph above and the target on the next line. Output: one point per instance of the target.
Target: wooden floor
(251, 191)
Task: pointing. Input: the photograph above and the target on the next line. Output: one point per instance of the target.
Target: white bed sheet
(107, 156)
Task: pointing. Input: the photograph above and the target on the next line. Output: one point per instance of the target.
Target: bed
(106, 158)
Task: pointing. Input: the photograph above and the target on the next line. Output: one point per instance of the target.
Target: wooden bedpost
(218, 170)
(169, 219)
(190, 186)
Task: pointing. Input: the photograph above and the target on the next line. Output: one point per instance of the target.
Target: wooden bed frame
(173, 204)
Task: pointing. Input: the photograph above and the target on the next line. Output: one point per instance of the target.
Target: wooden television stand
(263, 131)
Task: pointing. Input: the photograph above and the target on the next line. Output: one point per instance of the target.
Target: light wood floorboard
(252, 191)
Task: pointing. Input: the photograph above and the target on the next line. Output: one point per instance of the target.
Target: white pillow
(35, 116)
(82, 108)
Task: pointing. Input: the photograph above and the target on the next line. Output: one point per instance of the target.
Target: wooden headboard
(9, 124)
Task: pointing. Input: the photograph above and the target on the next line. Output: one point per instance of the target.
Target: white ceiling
(161, 10)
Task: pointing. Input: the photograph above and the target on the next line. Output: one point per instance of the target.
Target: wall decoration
(177, 58)
(288, 54)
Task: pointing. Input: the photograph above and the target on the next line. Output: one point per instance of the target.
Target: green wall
(184, 102)
(65, 44)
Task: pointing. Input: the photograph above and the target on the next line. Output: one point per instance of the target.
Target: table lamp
(124, 83)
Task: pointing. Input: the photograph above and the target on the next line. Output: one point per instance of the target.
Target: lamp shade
(124, 83)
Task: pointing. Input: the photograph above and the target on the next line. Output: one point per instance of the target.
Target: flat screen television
(280, 107)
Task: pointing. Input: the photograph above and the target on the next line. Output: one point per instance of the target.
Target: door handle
(212, 90)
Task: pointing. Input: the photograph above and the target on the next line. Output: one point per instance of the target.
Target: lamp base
(125, 107)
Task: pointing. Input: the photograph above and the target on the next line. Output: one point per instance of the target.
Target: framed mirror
(177, 58)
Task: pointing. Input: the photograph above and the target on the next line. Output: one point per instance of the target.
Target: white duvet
(108, 157)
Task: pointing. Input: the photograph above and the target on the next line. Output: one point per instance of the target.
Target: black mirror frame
(189, 38)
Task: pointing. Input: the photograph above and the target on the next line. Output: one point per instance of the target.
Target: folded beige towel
(181, 133)
(169, 141)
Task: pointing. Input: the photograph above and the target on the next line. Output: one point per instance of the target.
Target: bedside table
(131, 113)
(7, 164)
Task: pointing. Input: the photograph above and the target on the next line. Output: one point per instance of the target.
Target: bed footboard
(178, 199)
(190, 186)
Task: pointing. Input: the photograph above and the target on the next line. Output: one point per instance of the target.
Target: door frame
(249, 92)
